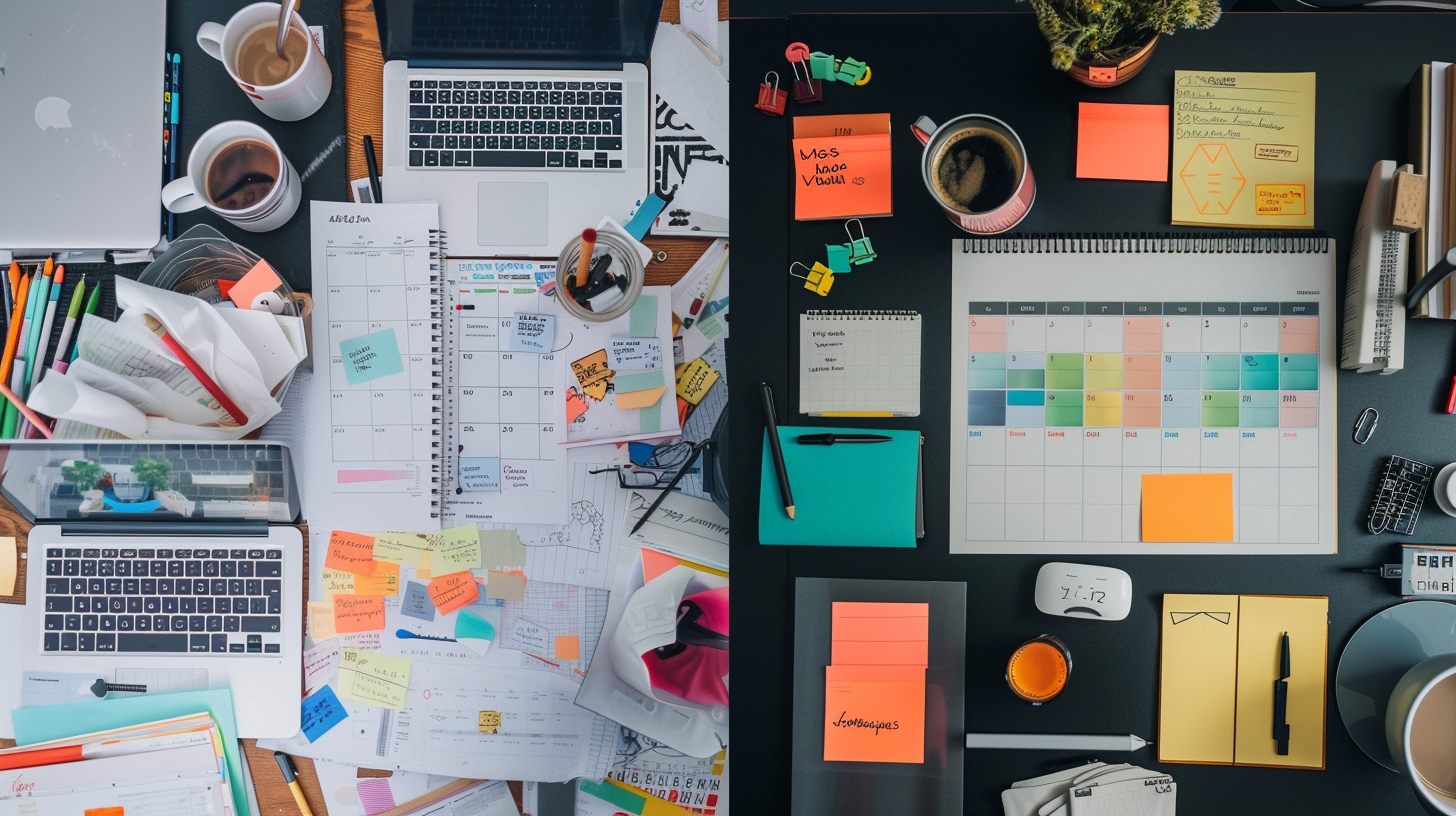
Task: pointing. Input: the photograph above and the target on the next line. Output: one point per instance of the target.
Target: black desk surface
(997, 64)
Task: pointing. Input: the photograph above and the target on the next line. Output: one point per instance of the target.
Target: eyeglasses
(658, 467)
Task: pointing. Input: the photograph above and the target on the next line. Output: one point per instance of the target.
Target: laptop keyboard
(226, 601)
(504, 123)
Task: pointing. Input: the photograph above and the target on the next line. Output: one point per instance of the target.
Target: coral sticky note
(384, 581)
(1122, 141)
(842, 166)
(358, 613)
(351, 552)
(874, 714)
(568, 647)
(1188, 507)
(576, 404)
(261, 278)
(592, 374)
(507, 586)
(450, 592)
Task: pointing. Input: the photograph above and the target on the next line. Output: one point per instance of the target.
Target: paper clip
(807, 91)
(864, 80)
(796, 51)
(838, 262)
(1364, 431)
(860, 250)
(771, 100)
(823, 66)
(850, 70)
(819, 279)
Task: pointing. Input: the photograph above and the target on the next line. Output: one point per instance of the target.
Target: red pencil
(202, 376)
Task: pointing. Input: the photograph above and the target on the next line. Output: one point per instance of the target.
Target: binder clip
(838, 262)
(860, 249)
(807, 91)
(771, 100)
(850, 71)
(796, 51)
(819, 279)
(864, 80)
(823, 66)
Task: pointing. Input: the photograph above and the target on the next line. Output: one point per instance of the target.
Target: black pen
(777, 450)
(1281, 701)
(830, 439)
(672, 485)
(373, 169)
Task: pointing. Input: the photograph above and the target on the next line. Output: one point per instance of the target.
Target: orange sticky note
(1188, 507)
(1122, 141)
(358, 613)
(450, 592)
(868, 634)
(261, 278)
(874, 714)
(841, 166)
(384, 581)
(351, 552)
(568, 647)
(507, 586)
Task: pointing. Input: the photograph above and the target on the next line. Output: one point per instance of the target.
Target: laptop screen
(517, 33)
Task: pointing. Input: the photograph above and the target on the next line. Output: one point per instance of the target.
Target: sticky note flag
(1188, 507)
(261, 278)
(501, 548)
(374, 678)
(635, 353)
(1122, 141)
(404, 549)
(695, 380)
(874, 714)
(592, 374)
(507, 586)
(641, 399)
(358, 613)
(533, 333)
(321, 663)
(371, 357)
(469, 625)
(456, 549)
(351, 552)
(321, 711)
(575, 404)
(450, 592)
(417, 603)
(642, 320)
(384, 581)
(629, 381)
(335, 581)
(568, 647)
(9, 565)
(321, 619)
(480, 474)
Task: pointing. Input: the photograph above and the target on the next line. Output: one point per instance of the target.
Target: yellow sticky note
(9, 565)
(641, 399)
(336, 581)
(321, 620)
(695, 380)
(456, 550)
(374, 678)
(568, 647)
(1196, 690)
(490, 722)
(1188, 507)
(404, 549)
(593, 374)
(384, 581)
(1263, 620)
(507, 586)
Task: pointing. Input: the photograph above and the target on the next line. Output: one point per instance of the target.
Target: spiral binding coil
(877, 314)
(1156, 243)
(438, 252)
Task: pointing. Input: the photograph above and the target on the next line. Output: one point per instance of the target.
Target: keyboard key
(219, 554)
(151, 605)
(214, 623)
(55, 623)
(533, 142)
(61, 603)
(230, 568)
(165, 554)
(560, 86)
(91, 552)
(159, 623)
(53, 568)
(133, 605)
(501, 158)
(175, 569)
(258, 606)
(573, 86)
(124, 623)
(57, 586)
(588, 142)
(457, 98)
(416, 159)
(105, 568)
(199, 586)
(422, 126)
(571, 159)
(209, 569)
(68, 641)
(200, 643)
(477, 142)
(457, 127)
(87, 642)
(519, 143)
(222, 606)
(187, 606)
(73, 552)
(430, 83)
(452, 142)
(89, 622)
(146, 554)
(462, 159)
(53, 552)
(169, 606)
(165, 586)
(139, 569)
(130, 586)
(106, 643)
(118, 605)
(182, 553)
(72, 566)
(255, 644)
(609, 143)
(481, 112)
(459, 83)
(237, 555)
(108, 623)
(95, 586)
(78, 586)
(196, 623)
(151, 643)
(143, 623)
(53, 642)
(113, 586)
(275, 605)
(611, 98)
(416, 96)
(272, 648)
(83, 603)
(231, 623)
(261, 624)
(218, 586)
(245, 569)
(475, 83)
(123, 568)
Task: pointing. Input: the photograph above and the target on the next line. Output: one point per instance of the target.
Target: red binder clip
(807, 90)
(771, 100)
(796, 51)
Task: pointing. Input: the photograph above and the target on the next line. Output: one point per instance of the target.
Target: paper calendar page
(1075, 372)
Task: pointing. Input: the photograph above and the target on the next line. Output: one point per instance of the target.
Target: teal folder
(845, 495)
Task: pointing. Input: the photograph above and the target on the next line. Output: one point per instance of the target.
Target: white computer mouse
(1083, 591)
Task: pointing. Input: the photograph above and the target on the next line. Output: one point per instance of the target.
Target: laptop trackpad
(515, 213)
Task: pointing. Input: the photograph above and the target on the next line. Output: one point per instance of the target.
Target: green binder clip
(819, 279)
(860, 249)
(838, 258)
(823, 66)
(851, 71)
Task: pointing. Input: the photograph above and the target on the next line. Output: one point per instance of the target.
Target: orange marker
(12, 337)
(583, 258)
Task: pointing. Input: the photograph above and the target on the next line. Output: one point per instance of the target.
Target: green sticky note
(642, 319)
(371, 357)
(637, 381)
(651, 417)
(470, 625)
(618, 797)
(500, 549)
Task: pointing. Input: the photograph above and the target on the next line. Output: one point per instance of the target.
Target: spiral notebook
(859, 363)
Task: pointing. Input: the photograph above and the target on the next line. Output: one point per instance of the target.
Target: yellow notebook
(1220, 658)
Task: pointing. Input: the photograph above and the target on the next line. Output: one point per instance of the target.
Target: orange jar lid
(1038, 670)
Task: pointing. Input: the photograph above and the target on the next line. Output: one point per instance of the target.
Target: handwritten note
(335, 581)
(321, 712)
(507, 586)
(377, 679)
(417, 603)
(453, 591)
(404, 549)
(531, 636)
(455, 549)
(358, 613)
(321, 619)
(384, 581)
(695, 380)
(351, 552)
(371, 357)
(533, 333)
(321, 663)
(480, 474)
(593, 374)
(490, 722)
(635, 352)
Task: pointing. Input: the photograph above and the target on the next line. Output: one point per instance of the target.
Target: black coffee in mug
(977, 170)
(242, 174)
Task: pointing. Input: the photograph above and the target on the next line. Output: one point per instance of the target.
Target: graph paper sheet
(854, 362)
(1079, 365)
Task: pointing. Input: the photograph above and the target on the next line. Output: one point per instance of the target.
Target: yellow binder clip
(860, 249)
(819, 280)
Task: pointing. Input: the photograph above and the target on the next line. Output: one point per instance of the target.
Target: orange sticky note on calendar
(874, 714)
(351, 552)
(1181, 507)
(358, 613)
(451, 592)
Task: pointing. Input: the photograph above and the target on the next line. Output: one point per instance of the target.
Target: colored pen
(699, 303)
(73, 313)
(42, 295)
(373, 169)
(1281, 700)
(17, 369)
(12, 333)
(1057, 742)
(36, 364)
(176, 134)
(830, 439)
(777, 449)
(93, 303)
(290, 776)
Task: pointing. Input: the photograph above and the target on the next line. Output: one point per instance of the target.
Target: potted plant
(156, 474)
(86, 476)
(1107, 42)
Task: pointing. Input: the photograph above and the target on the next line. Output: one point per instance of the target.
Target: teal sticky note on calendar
(371, 357)
(480, 474)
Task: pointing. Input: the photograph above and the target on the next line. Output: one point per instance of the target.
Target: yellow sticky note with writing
(384, 581)
(695, 380)
(374, 678)
(336, 581)
(456, 550)
(1188, 507)
(321, 620)
(404, 549)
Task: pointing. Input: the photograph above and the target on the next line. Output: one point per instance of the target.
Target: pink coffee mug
(939, 138)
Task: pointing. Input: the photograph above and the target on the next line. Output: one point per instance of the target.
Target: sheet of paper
(879, 634)
(384, 580)
(454, 591)
(272, 348)
(455, 550)
(691, 86)
(336, 782)
(682, 523)
(351, 552)
(1181, 507)
(697, 783)
(531, 636)
(404, 549)
(321, 711)
(321, 620)
(1122, 141)
(874, 714)
(371, 357)
(1263, 621)
(602, 420)
(320, 663)
(701, 18)
(505, 586)
(1243, 149)
(635, 353)
(377, 679)
(356, 613)
(1197, 683)
(417, 603)
(533, 333)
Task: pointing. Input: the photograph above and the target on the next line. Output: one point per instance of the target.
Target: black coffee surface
(977, 173)
(242, 174)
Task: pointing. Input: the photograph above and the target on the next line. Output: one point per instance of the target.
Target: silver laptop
(81, 124)
(528, 120)
(197, 586)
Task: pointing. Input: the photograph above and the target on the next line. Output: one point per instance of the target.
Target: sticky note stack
(874, 689)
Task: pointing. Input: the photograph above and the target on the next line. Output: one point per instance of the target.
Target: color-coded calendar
(1081, 365)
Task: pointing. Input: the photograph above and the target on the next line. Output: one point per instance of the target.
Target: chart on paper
(1075, 377)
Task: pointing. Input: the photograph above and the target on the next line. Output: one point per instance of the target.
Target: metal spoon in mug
(286, 9)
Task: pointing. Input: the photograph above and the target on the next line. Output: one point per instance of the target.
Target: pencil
(208, 383)
(93, 303)
(32, 419)
(707, 293)
(777, 450)
(583, 257)
(73, 313)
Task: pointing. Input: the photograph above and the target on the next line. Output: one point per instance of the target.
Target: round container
(1038, 670)
(938, 138)
(625, 262)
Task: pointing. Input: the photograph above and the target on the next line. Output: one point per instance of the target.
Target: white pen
(1057, 742)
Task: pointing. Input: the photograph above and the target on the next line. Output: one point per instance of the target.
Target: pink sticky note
(261, 278)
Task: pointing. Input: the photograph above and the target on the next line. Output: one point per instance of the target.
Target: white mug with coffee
(976, 169)
(287, 88)
(237, 170)
(1419, 721)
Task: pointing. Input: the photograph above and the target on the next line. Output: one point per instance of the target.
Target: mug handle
(179, 196)
(922, 128)
(209, 37)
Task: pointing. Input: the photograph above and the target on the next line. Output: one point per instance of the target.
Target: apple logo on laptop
(53, 112)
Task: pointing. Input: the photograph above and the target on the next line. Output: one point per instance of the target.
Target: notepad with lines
(859, 363)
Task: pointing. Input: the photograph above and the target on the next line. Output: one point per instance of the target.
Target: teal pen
(92, 304)
(43, 296)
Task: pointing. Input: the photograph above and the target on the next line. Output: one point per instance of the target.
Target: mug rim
(1424, 790)
(252, 212)
(229, 55)
(926, 160)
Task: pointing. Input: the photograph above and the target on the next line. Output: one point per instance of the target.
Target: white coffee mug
(190, 192)
(1406, 712)
(296, 97)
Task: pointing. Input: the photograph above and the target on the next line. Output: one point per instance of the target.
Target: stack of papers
(1095, 789)
(874, 687)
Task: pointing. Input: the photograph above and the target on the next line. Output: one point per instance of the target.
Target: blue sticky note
(533, 333)
(371, 357)
(642, 320)
(480, 474)
(644, 215)
(416, 603)
(321, 711)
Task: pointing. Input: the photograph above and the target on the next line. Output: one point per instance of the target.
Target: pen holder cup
(601, 305)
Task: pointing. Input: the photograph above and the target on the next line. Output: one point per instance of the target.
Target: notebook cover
(848, 495)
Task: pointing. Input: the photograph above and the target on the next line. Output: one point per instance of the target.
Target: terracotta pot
(1107, 73)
